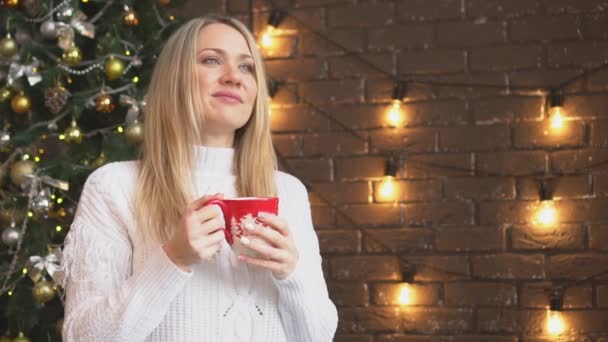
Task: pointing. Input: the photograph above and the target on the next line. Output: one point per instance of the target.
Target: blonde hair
(173, 122)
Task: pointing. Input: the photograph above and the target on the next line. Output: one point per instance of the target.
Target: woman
(146, 261)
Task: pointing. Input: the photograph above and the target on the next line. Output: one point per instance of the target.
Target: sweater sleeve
(104, 299)
(307, 313)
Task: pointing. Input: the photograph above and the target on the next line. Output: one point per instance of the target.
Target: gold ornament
(135, 132)
(5, 94)
(130, 18)
(164, 2)
(104, 103)
(99, 161)
(114, 68)
(21, 104)
(73, 134)
(8, 47)
(55, 98)
(72, 55)
(10, 3)
(9, 214)
(21, 170)
(43, 291)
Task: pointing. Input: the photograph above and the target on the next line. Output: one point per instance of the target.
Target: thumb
(199, 203)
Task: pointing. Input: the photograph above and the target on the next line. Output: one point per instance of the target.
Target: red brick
(563, 237)
(586, 321)
(433, 113)
(576, 161)
(357, 66)
(599, 136)
(474, 138)
(479, 188)
(504, 58)
(323, 217)
(315, 3)
(469, 239)
(575, 266)
(593, 26)
(535, 295)
(450, 338)
(583, 53)
(565, 6)
(529, 135)
(286, 96)
(265, 5)
(365, 268)
(500, 8)
(311, 169)
(313, 45)
(564, 187)
(397, 240)
(469, 33)
(438, 213)
(420, 294)
(544, 28)
(598, 237)
(433, 61)
(424, 10)
(370, 214)
(410, 191)
(353, 338)
(438, 268)
(506, 109)
(342, 192)
(335, 143)
(602, 295)
(598, 81)
(296, 118)
(540, 78)
(410, 139)
(344, 91)
(586, 106)
(301, 69)
(600, 185)
(500, 212)
(583, 210)
(360, 116)
(288, 145)
(511, 163)
(339, 241)
(282, 47)
(348, 293)
(381, 91)
(508, 266)
(438, 165)
(402, 36)
(238, 6)
(311, 17)
(477, 293)
(371, 319)
(359, 167)
(511, 321)
(375, 14)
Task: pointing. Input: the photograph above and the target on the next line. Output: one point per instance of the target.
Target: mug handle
(220, 203)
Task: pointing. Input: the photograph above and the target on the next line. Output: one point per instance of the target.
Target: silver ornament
(65, 13)
(10, 236)
(42, 202)
(49, 29)
(23, 37)
(5, 137)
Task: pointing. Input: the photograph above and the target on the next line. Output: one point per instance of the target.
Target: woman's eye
(211, 60)
(247, 67)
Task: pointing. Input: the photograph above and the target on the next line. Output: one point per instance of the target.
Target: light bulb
(394, 117)
(387, 189)
(555, 323)
(267, 37)
(405, 295)
(557, 118)
(546, 214)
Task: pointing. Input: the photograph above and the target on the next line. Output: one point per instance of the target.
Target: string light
(546, 214)
(275, 18)
(405, 294)
(556, 115)
(386, 190)
(395, 116)
(555, 322)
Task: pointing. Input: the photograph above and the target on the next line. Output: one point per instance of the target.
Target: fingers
(276, 267)
(275, 222)
(270, 235)
(197, 204)
(264, 249)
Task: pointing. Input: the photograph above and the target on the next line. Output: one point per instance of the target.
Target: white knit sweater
(120, 287)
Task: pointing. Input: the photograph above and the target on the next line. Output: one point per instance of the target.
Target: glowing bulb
(120, 129)
(555, 323)
(557, 118)
(58, 228)
(60, 200)
(37, 159)
(30, 214)
(61, 136)
(546, 215)
(267, 37)
(387, 189)
(405, 295)
(24, 270)
(10, 293)
(135, 79)
(26, 156)
(394, 117)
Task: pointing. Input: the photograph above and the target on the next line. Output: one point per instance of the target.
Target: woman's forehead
(222, 37)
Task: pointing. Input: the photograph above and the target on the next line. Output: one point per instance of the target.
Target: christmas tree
(73, 77)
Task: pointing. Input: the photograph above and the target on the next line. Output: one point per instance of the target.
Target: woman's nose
(231, 75)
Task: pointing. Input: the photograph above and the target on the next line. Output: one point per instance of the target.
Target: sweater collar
(217, 161)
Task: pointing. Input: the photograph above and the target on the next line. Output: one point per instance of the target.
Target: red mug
(241, 211)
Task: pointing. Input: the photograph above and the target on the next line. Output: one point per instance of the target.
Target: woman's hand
(198, 235)
(277, 252)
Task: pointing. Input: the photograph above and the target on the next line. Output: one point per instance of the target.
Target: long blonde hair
(173, 122)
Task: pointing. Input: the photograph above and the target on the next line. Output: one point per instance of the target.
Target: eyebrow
(222, 52)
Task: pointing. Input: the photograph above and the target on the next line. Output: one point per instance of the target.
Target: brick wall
(462, 222)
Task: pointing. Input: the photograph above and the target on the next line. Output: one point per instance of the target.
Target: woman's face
(226, 78)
